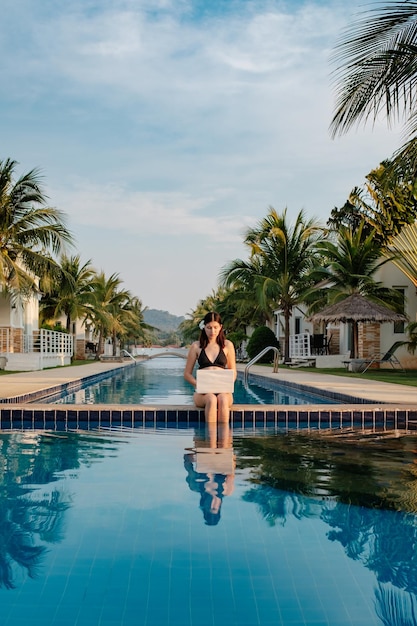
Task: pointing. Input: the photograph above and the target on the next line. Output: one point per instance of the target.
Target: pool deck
(366, 402)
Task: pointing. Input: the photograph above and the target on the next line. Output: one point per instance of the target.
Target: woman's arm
(189, 366)
(231, 356)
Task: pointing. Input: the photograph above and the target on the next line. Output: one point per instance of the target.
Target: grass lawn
(383, 375)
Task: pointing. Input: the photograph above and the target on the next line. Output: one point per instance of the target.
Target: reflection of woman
(211, 486)
(212, 351)
(213, 453)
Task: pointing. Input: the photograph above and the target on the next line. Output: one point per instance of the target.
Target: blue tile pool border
(75, 417)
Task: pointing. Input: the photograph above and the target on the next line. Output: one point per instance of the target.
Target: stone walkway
(371, 390)
(23, 383)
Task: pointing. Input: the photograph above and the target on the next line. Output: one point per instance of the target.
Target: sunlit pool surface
(161, 381)
(136, 527)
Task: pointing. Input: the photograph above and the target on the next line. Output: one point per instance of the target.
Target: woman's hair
(212, 317)
(210, 518)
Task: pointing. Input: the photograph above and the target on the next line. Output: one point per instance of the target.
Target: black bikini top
(220, 360)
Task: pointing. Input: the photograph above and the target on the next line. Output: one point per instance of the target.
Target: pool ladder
(258, 356)
(128, 354)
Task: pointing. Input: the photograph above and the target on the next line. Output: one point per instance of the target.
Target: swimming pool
(160, 381)
(109, 527)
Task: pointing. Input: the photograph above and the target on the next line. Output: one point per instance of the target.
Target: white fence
(43, 348)
(300, 347)
(49, 342)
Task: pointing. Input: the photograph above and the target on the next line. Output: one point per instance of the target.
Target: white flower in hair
(201, 325)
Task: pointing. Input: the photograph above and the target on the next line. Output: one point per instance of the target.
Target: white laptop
(215, 381)
(215, 460)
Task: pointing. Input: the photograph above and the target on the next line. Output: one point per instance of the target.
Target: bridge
(153, 353)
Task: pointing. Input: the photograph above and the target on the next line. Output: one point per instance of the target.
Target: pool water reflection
(160, 381)
(189, 526)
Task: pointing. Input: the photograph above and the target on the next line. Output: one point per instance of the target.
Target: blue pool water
(114, 528)
(161, 381)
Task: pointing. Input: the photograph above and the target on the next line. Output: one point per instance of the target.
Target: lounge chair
(388, 357)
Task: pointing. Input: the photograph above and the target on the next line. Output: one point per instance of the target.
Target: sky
(164, 129)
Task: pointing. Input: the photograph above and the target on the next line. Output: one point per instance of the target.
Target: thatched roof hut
(354, 309)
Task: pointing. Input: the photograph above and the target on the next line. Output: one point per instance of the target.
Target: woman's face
(212, 330)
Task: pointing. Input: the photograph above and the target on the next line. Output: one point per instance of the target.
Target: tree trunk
(287, 336)
(100, 345)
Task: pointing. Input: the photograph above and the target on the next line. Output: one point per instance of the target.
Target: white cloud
(157, 125)
(142, 214)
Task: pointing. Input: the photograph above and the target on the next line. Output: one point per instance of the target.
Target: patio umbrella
(354, 309)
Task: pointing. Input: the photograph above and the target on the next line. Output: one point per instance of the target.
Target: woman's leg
(224, 403)
(209, 402)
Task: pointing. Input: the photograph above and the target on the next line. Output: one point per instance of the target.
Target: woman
(213, 351)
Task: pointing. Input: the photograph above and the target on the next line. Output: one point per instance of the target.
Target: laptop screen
(215, 381)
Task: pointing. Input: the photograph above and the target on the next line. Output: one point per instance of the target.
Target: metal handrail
(258, 356)
(128, 354)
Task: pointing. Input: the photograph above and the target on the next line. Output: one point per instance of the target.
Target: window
(399, 327)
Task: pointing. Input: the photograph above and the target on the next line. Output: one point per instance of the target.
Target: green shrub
(261, 338)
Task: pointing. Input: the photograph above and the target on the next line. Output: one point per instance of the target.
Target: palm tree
(351, 256)
(404, 251)
(377, 68)
(30, 232)
(239, 310)
(277, 273)
(240, 277)
(110, 313)
(387, 203)
(350, 259)
(376, 72)
(71, 293)
(130, 325)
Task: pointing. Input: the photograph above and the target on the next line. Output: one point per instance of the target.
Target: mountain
(162, 319)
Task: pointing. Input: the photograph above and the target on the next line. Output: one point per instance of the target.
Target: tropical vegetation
(68, 292)
(261, 339)
(277, 275)
(31, 233)
(376, 69)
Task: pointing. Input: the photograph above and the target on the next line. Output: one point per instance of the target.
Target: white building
(334, 340)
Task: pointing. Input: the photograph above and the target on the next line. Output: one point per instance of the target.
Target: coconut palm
(111, 310)
(132, 327)
(70, 294)
(376, 60)
(386, 204)
(240, 277)
(350, 259)
(30, 232)
(239, 310)
(404, 251)
(281, 258)
(376, 71)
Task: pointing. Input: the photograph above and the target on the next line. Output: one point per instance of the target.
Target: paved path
(13, 385)
(371, 390)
